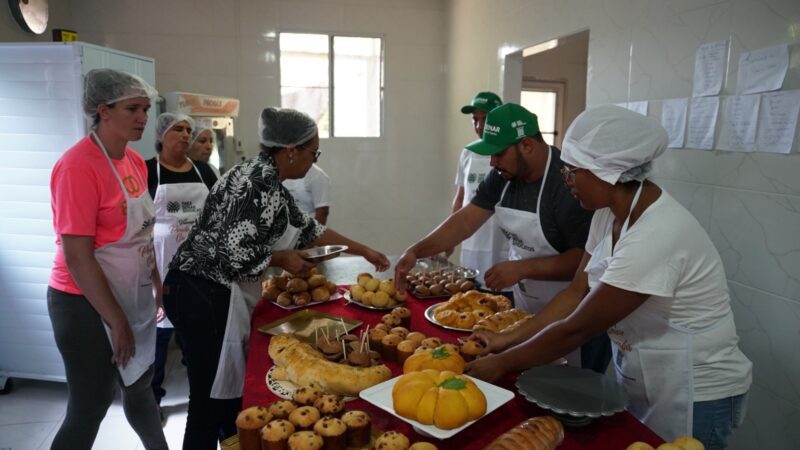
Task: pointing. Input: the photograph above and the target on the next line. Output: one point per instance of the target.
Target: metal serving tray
(303, 324)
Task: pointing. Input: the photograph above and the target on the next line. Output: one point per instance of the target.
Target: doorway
(549, 79)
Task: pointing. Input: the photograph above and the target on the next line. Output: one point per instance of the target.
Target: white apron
(128, 267)
(653, 357)
(487, 246)
(229, 379)
(178, 206)
(528, 241)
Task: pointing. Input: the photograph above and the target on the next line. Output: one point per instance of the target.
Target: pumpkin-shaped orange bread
(440, 398)
(439, 358)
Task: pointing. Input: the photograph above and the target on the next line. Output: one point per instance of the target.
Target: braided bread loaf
(537, 433)
(501, 321)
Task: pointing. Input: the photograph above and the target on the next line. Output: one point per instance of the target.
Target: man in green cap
(544, 224)
(486, 246)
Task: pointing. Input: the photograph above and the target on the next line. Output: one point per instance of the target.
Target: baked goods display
(441, 398)
(537, 433)
(248, 424)
(502, 321)
(301, 364)
(358, 425)
(463, 310)
(372, 292)
(438, 283)
(275, 434)
(439, 358)
(288, 290)
(680, 443)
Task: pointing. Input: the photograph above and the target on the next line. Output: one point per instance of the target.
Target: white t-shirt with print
(312, 191)
(668, 255)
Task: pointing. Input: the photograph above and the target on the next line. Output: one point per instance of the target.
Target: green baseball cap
(485, 101)
(505, 125)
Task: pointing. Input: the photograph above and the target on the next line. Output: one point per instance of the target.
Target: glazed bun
(296, 285)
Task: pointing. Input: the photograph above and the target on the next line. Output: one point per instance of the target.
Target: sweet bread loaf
(501, 321)
(537, 433)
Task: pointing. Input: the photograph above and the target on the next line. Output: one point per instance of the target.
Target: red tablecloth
(615, 432)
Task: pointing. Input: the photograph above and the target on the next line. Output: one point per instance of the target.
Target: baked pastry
(296, 285)
(315, 281)
(389, 347)
(416, 336)
(392, 440)
(358, 428)
(333, 432)
(422, 446)
(305, 440)
(375, 337)
(400, 331)
(431, 342)
(330, 405)
(391, 320)
(404, 314)
(405, 349)
(470, 349)
(248, 425)
(299, 363)
(306, 395)
(304, 417)
(280, 409)
(285, 299)
(320, 294)
(502, 321)
(537, 433)
(275, 434)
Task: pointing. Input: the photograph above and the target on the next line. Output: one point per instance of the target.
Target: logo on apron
(173, 207)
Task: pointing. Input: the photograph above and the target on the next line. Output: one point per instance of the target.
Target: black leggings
(92, 378)
(198, 308)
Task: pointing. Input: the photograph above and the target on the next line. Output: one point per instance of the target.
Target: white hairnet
(108, 86)
(284, 127)
(610, 140)
(167, 120)
(196, 132)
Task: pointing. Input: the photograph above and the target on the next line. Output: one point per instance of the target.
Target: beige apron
(229, 379)
(178, 206)
(128, 267)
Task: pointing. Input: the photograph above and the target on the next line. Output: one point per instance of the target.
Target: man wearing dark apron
(545, 226)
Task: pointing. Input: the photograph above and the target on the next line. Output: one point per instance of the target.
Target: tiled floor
(32, 412)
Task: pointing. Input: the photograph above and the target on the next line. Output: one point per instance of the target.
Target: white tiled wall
(748, 203)
(387, 192)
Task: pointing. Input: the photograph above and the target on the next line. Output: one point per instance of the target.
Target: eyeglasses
(568, 174)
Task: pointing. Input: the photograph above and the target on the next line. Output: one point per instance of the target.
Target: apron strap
(110, 163)
(158, 170)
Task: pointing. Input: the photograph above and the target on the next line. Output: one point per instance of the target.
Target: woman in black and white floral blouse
(249, 222)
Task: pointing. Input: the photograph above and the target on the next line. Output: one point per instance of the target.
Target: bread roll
(316, 281)
(320, 294)
(296, 285)
(537, 433)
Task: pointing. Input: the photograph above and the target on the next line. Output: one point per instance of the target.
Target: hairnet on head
(167, 120)
(196, 132)
(610, 141)
(108, 86)
(284, 127)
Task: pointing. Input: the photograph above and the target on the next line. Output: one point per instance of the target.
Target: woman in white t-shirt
(651, 277)
(312, 193)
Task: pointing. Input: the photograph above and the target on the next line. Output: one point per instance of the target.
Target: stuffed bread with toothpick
(301, 364)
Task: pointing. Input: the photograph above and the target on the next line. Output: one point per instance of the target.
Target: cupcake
(382, 326)
(375, 336)
(306, 395)
(400, 331)
(305, 440)
(404, 314)
(330, 405)
(416, 336)
(304, 418)
(333, 432)
(404, 350)
(358, 428)
(281, 409)
(249, 423)
(391, 321)
(392, 440)
(389, 347)
(422, 446)
(275, 435)
(431, 342)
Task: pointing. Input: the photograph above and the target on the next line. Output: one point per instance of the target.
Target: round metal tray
(350, 300)
(323, 253)
(429, 315)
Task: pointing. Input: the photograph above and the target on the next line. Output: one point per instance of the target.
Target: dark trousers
(198, 308)
(93, 380)
(163, 336)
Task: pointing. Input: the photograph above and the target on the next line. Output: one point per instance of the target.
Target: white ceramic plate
(323, 253)
(336, 296)
(350, 300)
(380, 395)
(429, 315)
(285, 389)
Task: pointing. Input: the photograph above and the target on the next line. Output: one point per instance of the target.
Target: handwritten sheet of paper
(739, 119)
(709, 68)
(762, 70)
(673, 119)
(702, 122)
(778, 121)
(638, 107)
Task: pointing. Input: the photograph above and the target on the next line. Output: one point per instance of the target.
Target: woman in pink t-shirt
(100, 294)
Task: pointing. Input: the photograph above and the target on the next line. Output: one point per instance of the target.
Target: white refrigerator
(41, 85)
